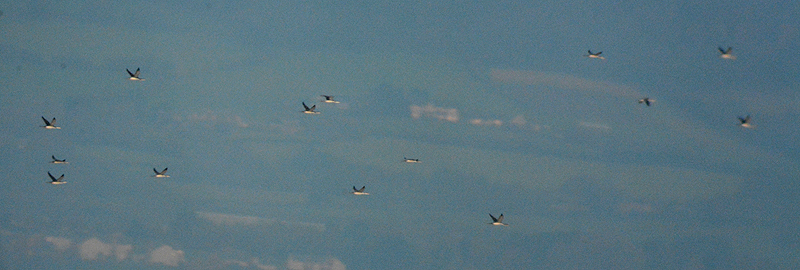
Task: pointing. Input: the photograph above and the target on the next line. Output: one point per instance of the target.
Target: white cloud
(237, 263)
(266, 267)
(447, 114)
(212, 118)
(220, 219)
(60, 243)
(228, 219)
(166, 255)
(560, 80)
(482, 122)
(263, 266)
(254, 263)
(595, 126)
(92, 249)
(519, 120)
(122, 251)
(330, 264)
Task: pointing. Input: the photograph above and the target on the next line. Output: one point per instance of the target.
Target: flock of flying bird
(724, 54)
(497, 221)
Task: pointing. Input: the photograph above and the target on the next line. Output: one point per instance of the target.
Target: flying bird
(58, 161)
(647, 101)
(726, 54)
(497, 221)
(411, 160)
(329, 99)
(595, 55)
(50, 124)
(359, 191)
(745, 122)
(309, 110)
(55, 181)
(134, 75)
(160, 174)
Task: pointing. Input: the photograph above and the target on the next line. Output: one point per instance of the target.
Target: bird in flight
(595, 55)
(329, 99)
(58, 161)
(309, 110)
(647, 101)
(134, 75)
(745, 122)
(359, 191)
(726, 54)
(411, 160)
(56, 181)
(498, 221)
(160, 174)
(50, 124)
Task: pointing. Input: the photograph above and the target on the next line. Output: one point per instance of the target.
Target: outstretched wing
(164, 171)
(51, 176)
(46, 123)
(306, 107)
(745, 119)
(135, 74)
(129, 73)
(362, 189)
(53, 122)
(493, 218)
(500, 218)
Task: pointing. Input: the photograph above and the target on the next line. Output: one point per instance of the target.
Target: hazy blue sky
(496, 98)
